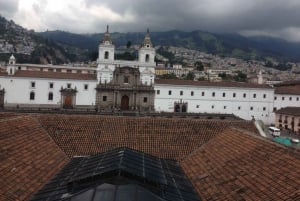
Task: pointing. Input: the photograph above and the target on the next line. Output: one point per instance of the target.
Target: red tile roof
(53, 75)
(28, 158)
(210, 84)
(238, 166)
(289, 111)
(161, 137)
(291, 90)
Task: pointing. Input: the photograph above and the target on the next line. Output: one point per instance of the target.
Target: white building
(111, 85)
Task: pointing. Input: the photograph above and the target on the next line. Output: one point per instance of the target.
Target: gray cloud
(279, 18)
(8, 8)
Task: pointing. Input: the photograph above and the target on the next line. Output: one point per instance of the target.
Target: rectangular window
(197, 106)
(224, 94)
(297, 99)
(239, 108)
(274, 109)
(213, 94)
(234, 95)
(244, 95)
(282, 98)
(32, 84)
(291, 98)
(225, 107)
(181, 93)
(170, 92)
(265, 95)
(69, 85)
(254, 95)
(86, 87)
(251, 108)
(192, 93)
(145, 99)
(275, 97)
(203, 93)
(51, 85)
(104, 98)
(126, 79)
(264, 108)
(157, 92)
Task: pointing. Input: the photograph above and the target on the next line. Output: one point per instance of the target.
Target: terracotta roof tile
(161, 137)
(292, 89)
(54, 75)
(238, 166)
(212, 84)
(289, 111)
(28, 158)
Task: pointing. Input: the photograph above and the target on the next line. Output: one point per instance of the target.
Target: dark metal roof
(121, 168)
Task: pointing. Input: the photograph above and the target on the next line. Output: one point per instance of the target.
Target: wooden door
(1, 99)
(125, 103)
(68, 102)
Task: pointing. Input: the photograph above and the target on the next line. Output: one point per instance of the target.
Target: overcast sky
(279, 18)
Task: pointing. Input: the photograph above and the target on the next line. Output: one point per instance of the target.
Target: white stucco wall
(286, 100)
(262, 108)
(17, 90)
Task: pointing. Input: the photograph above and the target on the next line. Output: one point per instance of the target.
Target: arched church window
(106, 55)
(50, 96)
(32, 95)
(147, 58)
(10, 71)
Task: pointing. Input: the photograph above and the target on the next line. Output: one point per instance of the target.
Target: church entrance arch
(125, 103)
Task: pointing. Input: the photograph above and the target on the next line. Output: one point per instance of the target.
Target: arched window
(106, 55)
(32, 95)
(147, 58)
(50, 96)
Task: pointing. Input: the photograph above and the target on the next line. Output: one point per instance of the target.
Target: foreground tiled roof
(238, 166)
(289, 89)
(209, 84)
(28, 158)
(53, 75)
(160, 137)
(289, 111)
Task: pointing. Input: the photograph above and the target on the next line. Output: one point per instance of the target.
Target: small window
(239, 108)
(203, 93)
(51, 85)
(275, 97)
(126, 79)
(86, 87)
(106, 55)
(212, 107)
(297, 99)
(291, 98)
(69, 85)
(147, 58)
(213, 94)
(32, 95)
(181, 93)
(224, 94)
(145, 99)
(157, 92)
(32, 84)
(233, 95)
(192, 93)
(50, 96)
(170, 92)
(251, 108)
(104, 98)
(282, 98)
(264, 108)
(265, 95)
(254, 95)
(225, 107)
(274, 109)
(197, 106)
(244, 95)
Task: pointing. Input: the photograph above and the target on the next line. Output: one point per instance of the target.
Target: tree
(190, 76)
(199, 66)
(168, 76)
(128, 45)
(240, 77)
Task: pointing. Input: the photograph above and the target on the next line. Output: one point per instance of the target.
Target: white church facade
(131, 85)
